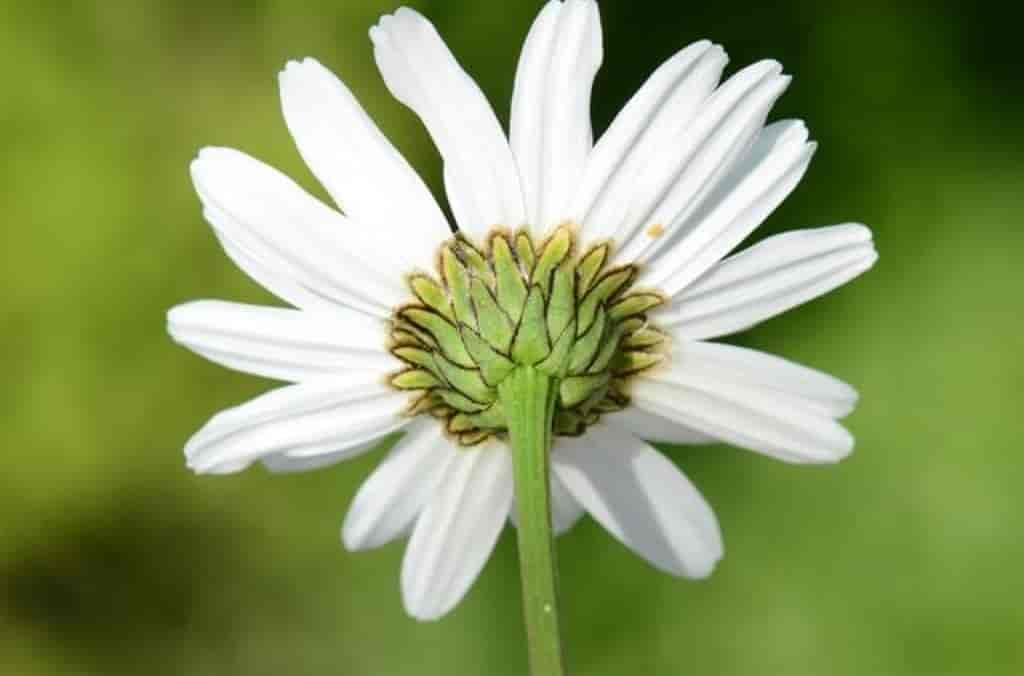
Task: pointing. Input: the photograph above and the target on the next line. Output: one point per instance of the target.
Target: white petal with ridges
(641, 498)
(367, 177)
(815, 390)
(768, 279)
(479, 171)
(550, 129)
(281, 343)
(265, 214)
(755, 401)
(684, 173)
(283, 463)
(313, 418)
(391, 498)
(779, 160)
(656, 115)
(457, 530)
(656, 428)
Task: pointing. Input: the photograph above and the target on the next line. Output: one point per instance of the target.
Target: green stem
(528, 399)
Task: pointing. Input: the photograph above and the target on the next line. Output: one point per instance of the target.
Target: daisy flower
(601, 268)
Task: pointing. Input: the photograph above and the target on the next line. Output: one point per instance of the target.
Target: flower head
(604, 265)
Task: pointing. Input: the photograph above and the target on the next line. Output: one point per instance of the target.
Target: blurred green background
(114, 559)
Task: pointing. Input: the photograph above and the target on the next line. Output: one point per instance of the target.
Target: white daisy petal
(750, 399)
(566, 511)
(458, 528)
(656, 428)
(768, 279)
(656, 115)
(641, 498)
(685, 168)
(285, 464)
(364, 173)
(763, 179)
(313, 418)
(282, 343)
(265, 274)
(266, 215)
(807, 387)
(550, 128)
(391, 498)
(479, 171)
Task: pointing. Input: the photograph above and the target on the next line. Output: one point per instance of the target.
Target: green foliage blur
(114, 559)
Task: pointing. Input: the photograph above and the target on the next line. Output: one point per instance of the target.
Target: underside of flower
(514, 303)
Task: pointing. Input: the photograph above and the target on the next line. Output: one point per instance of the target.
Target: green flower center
(573, 317)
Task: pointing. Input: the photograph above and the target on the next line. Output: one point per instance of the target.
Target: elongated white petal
(283, 463)
(641, 498)
(367, 177)
(566, 511)
(266, 215)
(768, 279)
(683, 169)
(653, 427)
(656, 115)
(275, 281)
(281, 343)
(457, 530)
(786, 380)
(750, 399)
(770, 171)
(391, 498)
(310, 419)
(550, 128)
(479, 171)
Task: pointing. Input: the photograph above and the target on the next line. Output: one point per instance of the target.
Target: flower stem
(528, 399)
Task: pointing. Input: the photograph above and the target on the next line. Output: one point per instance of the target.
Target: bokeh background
(114, 559)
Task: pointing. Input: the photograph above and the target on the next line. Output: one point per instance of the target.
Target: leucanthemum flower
(603, 265)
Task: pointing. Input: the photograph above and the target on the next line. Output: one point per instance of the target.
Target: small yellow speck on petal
(655, 230)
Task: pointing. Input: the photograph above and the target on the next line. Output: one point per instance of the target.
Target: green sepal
(431, 294)
(417, 356)
(609, 405)
(476, 262)
(568, 424)
(590, 265)
(555, 251)
(531, 341)
(633, 324)
(588, 344)
(474, 438)
(442, 412)
(460, 402)
(406, 329)
(633, 361)
(492, 417)
(609, 348)
(606, 287)
(645, 337)
(425, 403)
(634, 304)
(524, 249)
(556, 364)
(461, 422)
(577, 389)
(415, 379)
(445, 335)
(457, 278)
(466, 381)
(494, 366)
(562, 303)
(510, 285)
(495, 326)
